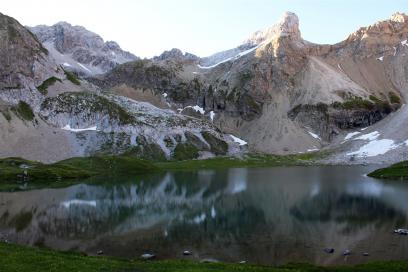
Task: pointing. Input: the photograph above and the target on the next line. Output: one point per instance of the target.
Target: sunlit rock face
(287, 26)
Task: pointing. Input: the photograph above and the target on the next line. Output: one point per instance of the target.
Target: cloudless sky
(148, 27)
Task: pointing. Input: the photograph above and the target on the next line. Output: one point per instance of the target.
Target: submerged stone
(329, 250)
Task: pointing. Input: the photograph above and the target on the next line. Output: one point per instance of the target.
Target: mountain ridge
(277, 92)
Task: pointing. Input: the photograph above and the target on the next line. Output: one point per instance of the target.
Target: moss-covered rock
(168, 141)
(217, 146)
(196, 141)
(79, 102)
(394, 98)
(43, 88)
(24, 111)
(146, 150)
(72, 77)
(185, 151)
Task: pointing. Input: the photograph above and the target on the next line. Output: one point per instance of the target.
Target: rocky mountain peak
(81, 50)
(176, 54)
(399, 17)
(388, 33)
(288, 26)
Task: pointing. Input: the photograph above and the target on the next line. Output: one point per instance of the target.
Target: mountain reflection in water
(266, 215)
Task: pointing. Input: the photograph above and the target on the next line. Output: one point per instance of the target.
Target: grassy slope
(67, 172)
(21, 258)
(395, 171)
(253, 160)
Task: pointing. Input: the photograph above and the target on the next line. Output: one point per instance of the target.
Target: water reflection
(268, 216)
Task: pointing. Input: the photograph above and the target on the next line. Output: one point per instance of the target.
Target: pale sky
(202, 27)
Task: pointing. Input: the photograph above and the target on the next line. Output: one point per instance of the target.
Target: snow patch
(381, 58)
(370, 136)
(239, 55)
(196, 108)
(374, 148)
(66, 64)
(215, 65)
(405, 42)
(238, 140)
(164, 95)
(213, 212)
(84, 67)
(199, 218)
(351, 135)
(69, 203)
(314, 135)
(246, 52)
(212, 114)
(68, 127)
(312, 150)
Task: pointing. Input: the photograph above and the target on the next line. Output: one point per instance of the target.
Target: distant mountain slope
(278, 92)
(81, 50)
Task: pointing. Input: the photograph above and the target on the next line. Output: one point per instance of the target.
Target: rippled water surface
(266, 215)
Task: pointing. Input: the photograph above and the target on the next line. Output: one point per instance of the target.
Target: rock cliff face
(81, 50)
(24, 61)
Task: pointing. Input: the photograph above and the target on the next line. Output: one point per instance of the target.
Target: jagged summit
(390, 29)
(399, 17)
(176, 54)
(79, 49)
(288, 25)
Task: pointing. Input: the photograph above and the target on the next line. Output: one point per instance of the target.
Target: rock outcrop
(24, 61)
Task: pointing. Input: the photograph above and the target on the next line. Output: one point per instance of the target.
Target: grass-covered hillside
(395, 171)
(15, 172)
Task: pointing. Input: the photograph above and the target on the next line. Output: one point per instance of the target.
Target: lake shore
(21, 174)
(23, 258)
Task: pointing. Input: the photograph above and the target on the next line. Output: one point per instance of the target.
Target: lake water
(265, 216)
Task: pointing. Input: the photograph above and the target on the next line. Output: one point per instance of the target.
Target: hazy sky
(148, 27)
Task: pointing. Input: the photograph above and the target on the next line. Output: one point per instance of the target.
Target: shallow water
(265, 216)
